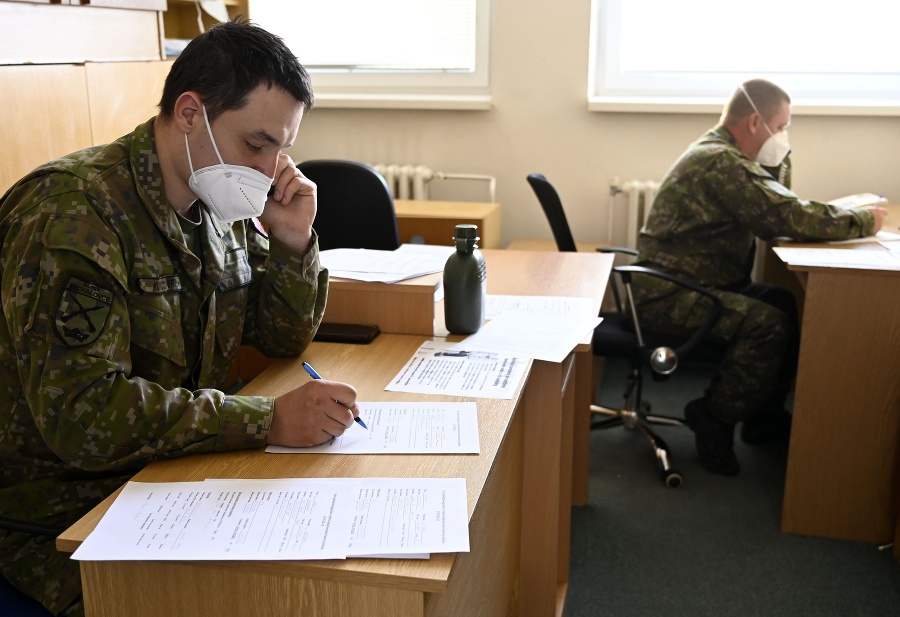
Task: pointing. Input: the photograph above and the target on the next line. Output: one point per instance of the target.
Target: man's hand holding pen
(311, 414)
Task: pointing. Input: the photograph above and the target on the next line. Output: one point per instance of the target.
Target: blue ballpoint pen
(312, 373)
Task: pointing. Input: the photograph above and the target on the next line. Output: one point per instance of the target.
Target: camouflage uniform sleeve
(64, 300)
(770, 210)
(287, 297)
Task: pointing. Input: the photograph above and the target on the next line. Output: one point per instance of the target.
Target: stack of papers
(280, 519)
(839, 258)
(408, 261)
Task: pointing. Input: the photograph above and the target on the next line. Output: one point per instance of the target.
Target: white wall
(540, 123)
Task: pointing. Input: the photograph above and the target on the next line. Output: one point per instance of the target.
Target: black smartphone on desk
(360, 334)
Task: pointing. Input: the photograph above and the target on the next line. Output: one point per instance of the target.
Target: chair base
(641, 420)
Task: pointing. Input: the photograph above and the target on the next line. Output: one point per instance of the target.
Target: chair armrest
(626, 272)
(618, 249)
(32, 528)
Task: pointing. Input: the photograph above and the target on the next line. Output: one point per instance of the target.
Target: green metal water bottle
(465, 283)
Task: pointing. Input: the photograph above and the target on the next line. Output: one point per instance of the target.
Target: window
(691, 55)
(426, 53)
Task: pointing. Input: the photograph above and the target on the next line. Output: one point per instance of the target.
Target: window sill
(404, 101)
(714, 106)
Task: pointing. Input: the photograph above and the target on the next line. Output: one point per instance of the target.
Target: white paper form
(496, 304)
(538, 335)
(880, 237)
(409, 516)
(225, 520)
(839, 258)
(439, 367)
(405, 428)
(380, 266)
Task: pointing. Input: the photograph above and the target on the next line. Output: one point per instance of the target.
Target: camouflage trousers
(758, 330)
(34, 566)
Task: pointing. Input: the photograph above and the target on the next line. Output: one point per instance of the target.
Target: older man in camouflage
(731, 186)
(125, 298)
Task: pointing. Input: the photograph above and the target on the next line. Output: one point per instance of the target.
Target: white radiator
(629, 206)
(414, 181)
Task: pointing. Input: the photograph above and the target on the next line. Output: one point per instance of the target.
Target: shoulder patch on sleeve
(764, 180)
(90, 238)
(82, 312)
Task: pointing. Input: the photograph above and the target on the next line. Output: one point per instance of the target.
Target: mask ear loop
(752, 104)
(213, 139)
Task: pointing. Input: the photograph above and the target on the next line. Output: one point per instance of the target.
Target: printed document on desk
(427, 427)
(538, 335)
(567, 305)
(384, 266)
(409, 516)
(882, 237)
(225, 520)
(281, 519)
(439, 367)
(839, 258)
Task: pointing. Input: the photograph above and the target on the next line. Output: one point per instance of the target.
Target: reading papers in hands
(446, 368)
(280, 519)
(405, 428)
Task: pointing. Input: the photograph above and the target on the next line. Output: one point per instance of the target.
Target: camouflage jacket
(714, 202)
(117, 339)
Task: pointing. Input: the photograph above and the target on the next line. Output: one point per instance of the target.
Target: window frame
(608, 91)
(411, 89)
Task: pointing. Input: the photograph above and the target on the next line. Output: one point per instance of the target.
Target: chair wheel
(672, 478)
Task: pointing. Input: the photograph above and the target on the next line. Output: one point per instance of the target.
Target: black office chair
(619, 335)
(355, 206)
(553, 210)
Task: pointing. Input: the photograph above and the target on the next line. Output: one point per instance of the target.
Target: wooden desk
(844, 448)
(518, 490)
(549, 245)
(436, 221)
(537, 273)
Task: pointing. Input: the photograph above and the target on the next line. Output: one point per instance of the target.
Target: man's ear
(754, 122)
(188, 111)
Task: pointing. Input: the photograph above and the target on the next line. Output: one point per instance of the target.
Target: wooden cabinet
(146, 5)
(52, 110)
(180, 20)
(45, 112)
(45, 33)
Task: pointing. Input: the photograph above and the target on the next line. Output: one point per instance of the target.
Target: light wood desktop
(519, 491)
(844, 451)
(548, 244)
(434, 222)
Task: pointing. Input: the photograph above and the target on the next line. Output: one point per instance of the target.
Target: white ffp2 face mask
(776, 147)
(232, 192)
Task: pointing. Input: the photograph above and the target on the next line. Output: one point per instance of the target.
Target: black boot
(714, 439)
(767, 427)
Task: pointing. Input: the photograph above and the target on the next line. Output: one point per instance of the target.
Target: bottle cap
(466, 232)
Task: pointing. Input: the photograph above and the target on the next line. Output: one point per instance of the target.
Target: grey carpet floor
(713, 546)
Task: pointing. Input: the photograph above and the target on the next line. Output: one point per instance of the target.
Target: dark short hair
(230, 60)
(767, 97)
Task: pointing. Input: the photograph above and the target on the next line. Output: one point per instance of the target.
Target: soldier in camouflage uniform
(124, 300)
(702, 226)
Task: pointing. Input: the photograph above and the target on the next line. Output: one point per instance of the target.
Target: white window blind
(838, 58)
(388, 46)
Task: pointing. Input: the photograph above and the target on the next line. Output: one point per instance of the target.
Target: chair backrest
(553, 209)
(355, 206)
